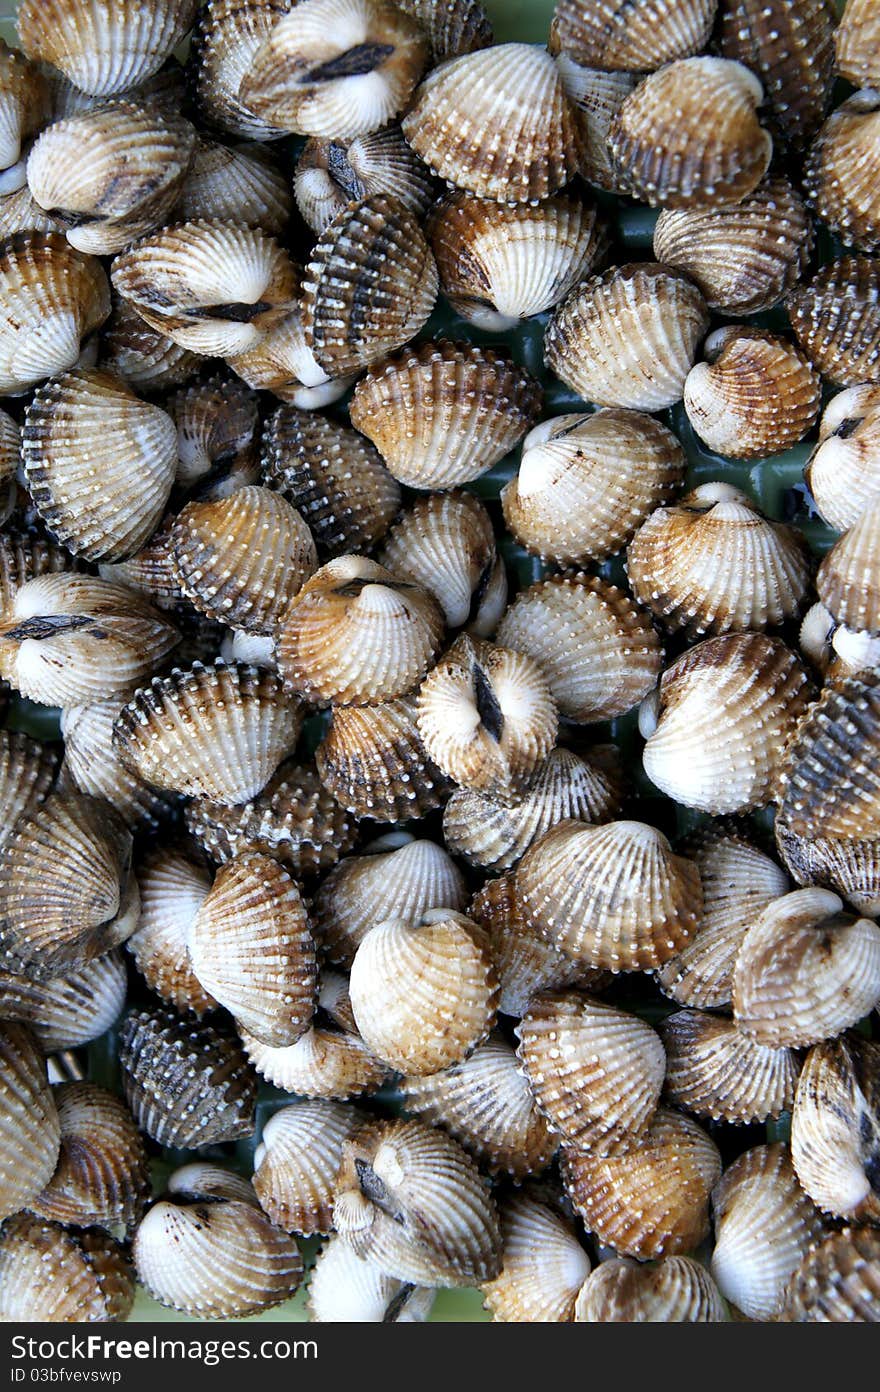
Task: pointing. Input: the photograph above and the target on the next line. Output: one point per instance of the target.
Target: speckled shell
(108, 46)
(599, 652)
(29, 1122)
(330, 173)
(67, 1011)
(837, 1282)
(503, 262)
(857, 43)
(542, 1266)
(848, 579)
(217, 732)
(373, 762)
(524, 961)
(713, 563)
(726, 709)
(586, 482)
(92, 765)
(835, 1128)
(283, 363)
(369, 285)
(53, 297)
(596, 1072)
(632, 35)
(596, 97)
(612, 896)
(149, 572)
(453, 27)
(764, 1225)
(238, 183)
(101, 1178)
(226, 36)
(836, 319)
(442, 414)
(806, 970)
(651, 1200)
(141, 356)
(628, 337)
(791, 49)
(27, 773)
(842, 169)
(296, 1162)
(715, 1071)
(345, 1289)
(52, 1274)
(677, 1290)
(412, 1201)
(172, 888)
(843, 474)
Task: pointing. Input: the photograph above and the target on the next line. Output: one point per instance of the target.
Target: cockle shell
(144, 358)
(67, 1011)
(714, 1070)
(632, 35)
(172, 889)
(24, 108)
(296, 1162)
(164, 92)
(524, 961)
(451, 28)
(59, 1275)
(842, 168)
(150, 572)
(27, 773)
(543, 1266)
(236, 183)
(836, 320)
(282, 362)
(848, 579)
(628, 337)
(29, 1121)
(791, 49)
(842, 474)
(677, 1290)
(612, 896)
(19, 213)
(857, 43)
(108, 46)
(442, 414)
(837, 1281)
(92, 764)
(226, 36)
(101, 1178)
(10, 457)
(331, 173)
(596, 97)
(343, 1288)
(218, 427)
(835, 1128)
(26, 555)
(326, 1062)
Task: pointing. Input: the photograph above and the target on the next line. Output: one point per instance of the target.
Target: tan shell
(141, 356)
(836, 320)
(842, 472)
(26, 555)
(373, 762)
(239, 183)
(218, 426)
(842, 168)
(848, 580)
(27, 773)
(596, 1072)
(109, 46)
(49, 1273)
(19, 213)
(689, 136)
(838, 1281)
(282, 362)
(677, 1290)
(330, 173)
(543, 1266)
(633, 37)
(296, 1162)
(716, 737)
(149, 572)
(24, 109)
(324, 1062)
(715, 1071)
(172, 888)
(596, 97)
(227, 35)
(652, 1200)
(599, 653)
(835, 1128)
(524, 961)
(713, 563)
(612, 896)
(442, 414)
(92, 764)
(67, 1011)
(628, 337)
(29, 1122)
(857, 43)
(345, 1289)
(451, 28)
(806, 971)
(101, 1178)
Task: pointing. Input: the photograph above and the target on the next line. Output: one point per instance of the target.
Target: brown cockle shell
(92, 764)
(524, 961)
(101, 1178)
(857, 43)
(141, 356)
(633, 36)
(27, 773)
(62, 1276)
(452, 29)
(675, 1290)
(218, 427)
(835, 1128)
(791, 49)
(26, 555)
(543, 1266)
(226, 36)
(836, 320)
(239, 183)
(597, 97)
(24, 109)
(107, 47)
(67, 1011)
(848, 579)
(842, 169)
(842, 473)
(837, 1282)
(296, 1162)
(283, 363)
(330, 173)
(29, 1121)
(172, 888)
(715, 1071)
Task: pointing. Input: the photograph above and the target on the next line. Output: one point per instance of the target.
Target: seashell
(251, 949)
(239, 183)
(217, 732)
(68, 1011)
(373, 762)
(423, 990)
(26, 555)
(109, 46)
(835, 1128)
(92, 765)
(442, 414)
(842, 473)
(227, 35)
(726, 709)
(172, 889)
(806, 971)
(754, 395)
(613, 896)
(52, 1274)
(335, 68)
(215, 1258)
(543, 1266)
(141, 356)
(524, 961)
(343, 1288)
(596, 97)
(325, 1062)
(187, 1085)
(486, 1103)
(150, 573)
(212, 287)
(713, 563)
(67, 894)
(73, 172)
(218, 424)
(398, 877)
(19, 213)
(841, 171)
(27, 772)
(599, 653)
(848, 579)
(24, 108)
(565, 786)
(452, 29)
(739, 882)
(355, 634)
(369, 285)
(10, 456)
(715, 1071)
(29, 1121)
(101, 1178)
(856, 42)
(53, 298)
(486, 718)
(628, 337)
(282, 362)
(164, 92)
(497, 123)
(632, 37)
(677, 1290)
(836, 320)
(297, 1160)
(503, 262)
(331, 173)
(596, 1072)
(586, 482)
(210, 1181)
(242, 559)
(837, 1281)
(653, 1199)
(87, 425)
(764, 1225)
(791, 49)
(410, 1200)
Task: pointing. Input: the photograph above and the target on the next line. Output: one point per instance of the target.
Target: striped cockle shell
(141, 356)
(843, 474)
(842, 169)
(524, 961)
(296, 1162)
(173, 886)
(836, 319)
(109, 46)
(676, 1290)
(240, 183)
(61, 1275)
(67, 1011)
(150, 573)
(343, 1288)
(24, 108)
(543, 1266)
(10, 459)
(848, 579)
(25, 555)
(226, 36)
(791, 49)
(451, 29)
(331, 172)
(92, 765)
(835, 1128)
(218, 427)
(857, 43)
(596, 96)
(837, 1281)
(19, 213)
(27, 772)
(716, 1071)
(29, 1122)
(632, 35)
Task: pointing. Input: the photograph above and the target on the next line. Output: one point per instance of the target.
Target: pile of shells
(439, 777)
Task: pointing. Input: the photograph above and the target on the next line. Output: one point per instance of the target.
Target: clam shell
(497, 123)
(599, 653)
(451, 28)
(373, 762)
(842, 474)
(764, 1225)
(653, 1199)
(150, 572)
(324, 1063)
(67, 1011)
(628, 337)
(332, 172)
(524, 961)
(239, 183)
(836, 320)
(27, 773)
(713, 564)
(343, 1288)
(217, 732)
(19, 213)
(596, 1072)
(108, 46)
(586, 482)
(26, 555)
(282, 362)
(187, 1085)
(204, 1180)
(101, 1178)
(369, 285)
(227, 35)
(297, 1160)
(218, 424)
(806, 971)
(51, 1274)
(677, 1290)
(442, 414)
(24, 108)
(791, 49)
(423, 990)
(715, 1071)
(29, 1121)
(842, 169)
(412, 1201)
(835, 1128)
(837, 1282)
(92, 765)
(857, 43)
(543, 1266)
(632, 36)
(140, 355)
(596, 97)
(848, 580)
(172, 888)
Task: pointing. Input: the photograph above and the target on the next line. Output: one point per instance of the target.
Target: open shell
(677, 1290)
(543, 1266)
(714, 1070)
(29, 1122)
(51, 1273)
(296, 1162)
(835, 1128)
(107, 47)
